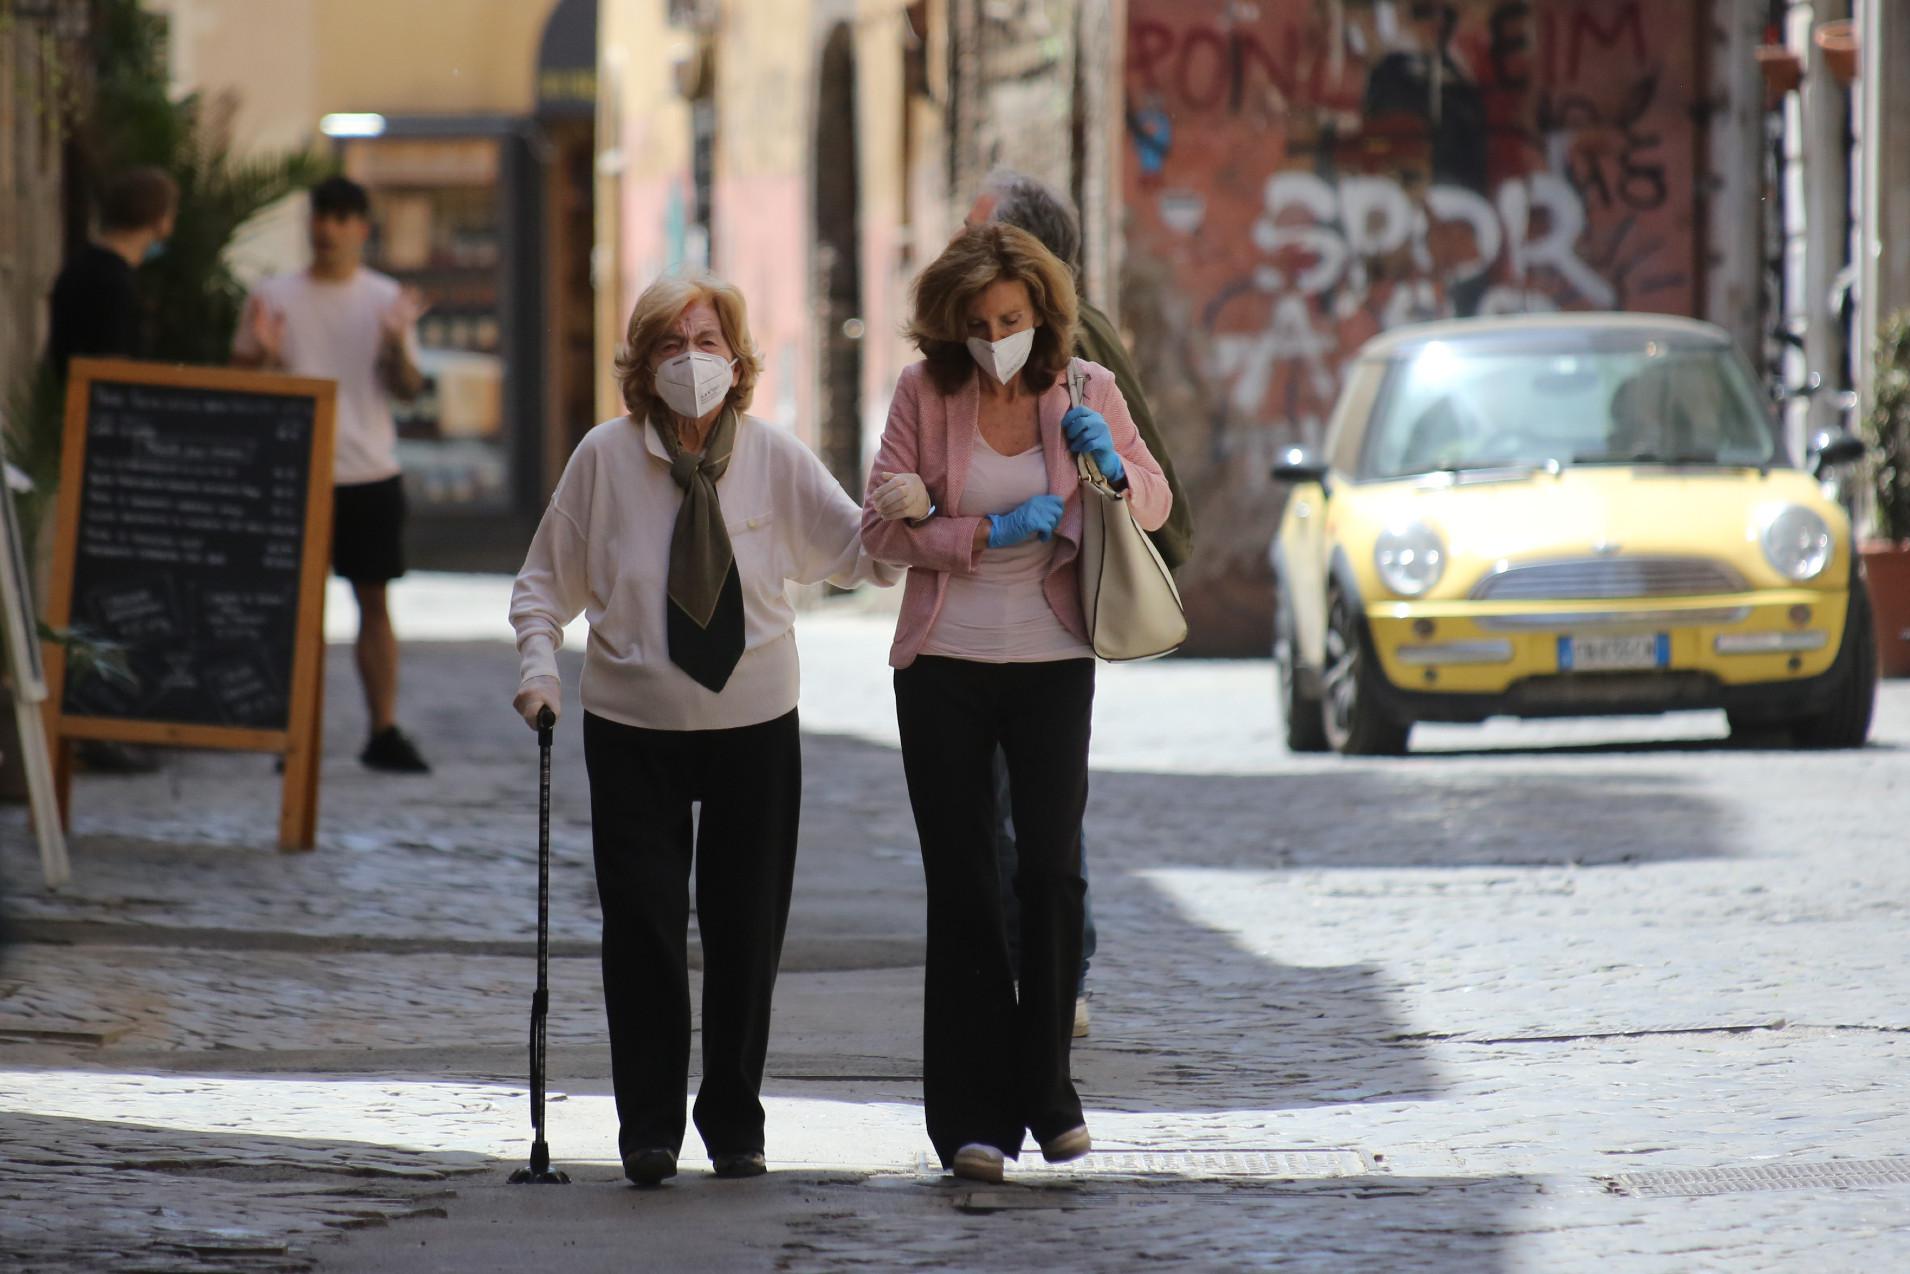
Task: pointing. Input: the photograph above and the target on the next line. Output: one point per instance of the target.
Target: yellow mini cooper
(1564, 515)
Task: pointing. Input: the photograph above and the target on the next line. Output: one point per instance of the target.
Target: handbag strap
(1084, 465)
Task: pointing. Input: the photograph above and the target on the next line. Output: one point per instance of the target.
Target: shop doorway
(838, 265)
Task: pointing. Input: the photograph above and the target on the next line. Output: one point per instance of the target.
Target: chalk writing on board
(192, 518)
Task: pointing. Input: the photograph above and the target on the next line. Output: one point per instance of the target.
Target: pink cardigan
(933, 435)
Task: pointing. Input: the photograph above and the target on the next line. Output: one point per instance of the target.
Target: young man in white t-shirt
(341, 321)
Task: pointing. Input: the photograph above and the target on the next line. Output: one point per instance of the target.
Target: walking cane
(540, 1171)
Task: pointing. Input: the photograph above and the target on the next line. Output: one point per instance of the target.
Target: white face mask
(1003, 358)
(693, 384)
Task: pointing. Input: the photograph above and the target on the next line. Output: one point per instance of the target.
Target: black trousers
(642, 786)
(995, 1064)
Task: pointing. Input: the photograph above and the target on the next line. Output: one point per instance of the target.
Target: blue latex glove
(1087, 430)
(1034, 519)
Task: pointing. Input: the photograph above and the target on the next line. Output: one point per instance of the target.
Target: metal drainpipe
(1871, 134)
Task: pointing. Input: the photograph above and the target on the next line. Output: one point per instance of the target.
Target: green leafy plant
(89, 654)
(1887, 429)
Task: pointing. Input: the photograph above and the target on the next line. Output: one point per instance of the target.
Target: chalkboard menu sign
(195, 523)
(192, 512)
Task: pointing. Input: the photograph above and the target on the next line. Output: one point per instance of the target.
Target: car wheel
(1846, 722)
(1301, 712)
(1355, 723)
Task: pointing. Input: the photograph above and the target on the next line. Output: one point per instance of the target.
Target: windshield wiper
(1652, 457)
(1485, 466)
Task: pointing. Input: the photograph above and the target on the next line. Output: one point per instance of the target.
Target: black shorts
(368, 530)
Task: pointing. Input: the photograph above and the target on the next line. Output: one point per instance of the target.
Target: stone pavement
(1470, 1010)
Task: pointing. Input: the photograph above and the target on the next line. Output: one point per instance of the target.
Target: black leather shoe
(650, 1167)
(743, 1163)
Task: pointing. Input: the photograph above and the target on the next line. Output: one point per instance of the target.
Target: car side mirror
(1832, 448)
(1297, 464)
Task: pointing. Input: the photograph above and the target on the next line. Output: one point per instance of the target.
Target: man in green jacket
(1044, 212)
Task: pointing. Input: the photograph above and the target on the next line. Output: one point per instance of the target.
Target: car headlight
(1410, 558)
(1797, 543)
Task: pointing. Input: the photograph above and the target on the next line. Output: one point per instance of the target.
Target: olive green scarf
(700, 554)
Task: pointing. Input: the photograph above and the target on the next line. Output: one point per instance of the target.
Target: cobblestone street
(1615, 996)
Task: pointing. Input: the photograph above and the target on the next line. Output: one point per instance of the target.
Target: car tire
(1301, 712)
(1353, 719)
(1846, 722)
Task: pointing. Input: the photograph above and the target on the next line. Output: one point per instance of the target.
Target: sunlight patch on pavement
(444, 1118)
(437, 606)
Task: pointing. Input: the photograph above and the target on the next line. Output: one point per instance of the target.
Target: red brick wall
(1294, 187)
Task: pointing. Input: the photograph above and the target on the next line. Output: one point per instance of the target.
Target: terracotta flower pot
(1783, 72)
(1838, 43)
(1887, 567)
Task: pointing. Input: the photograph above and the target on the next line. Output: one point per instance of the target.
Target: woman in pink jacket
(992, 650)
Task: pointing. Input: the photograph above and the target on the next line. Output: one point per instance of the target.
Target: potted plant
(1887, 556)
(1783, 71)
(1838, 42)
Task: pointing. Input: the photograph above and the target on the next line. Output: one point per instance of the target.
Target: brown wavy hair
(974, 260)
(657, 311)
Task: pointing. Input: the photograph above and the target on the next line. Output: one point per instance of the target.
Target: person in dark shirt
(95, 312)
(95, 308)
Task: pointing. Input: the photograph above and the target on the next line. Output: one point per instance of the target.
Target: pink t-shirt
(999, 615)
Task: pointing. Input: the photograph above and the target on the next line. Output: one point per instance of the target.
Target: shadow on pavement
(84, 1194)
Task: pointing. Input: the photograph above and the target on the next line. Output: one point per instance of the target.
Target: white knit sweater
(603, 549)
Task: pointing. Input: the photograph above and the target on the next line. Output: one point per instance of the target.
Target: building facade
(818, 153)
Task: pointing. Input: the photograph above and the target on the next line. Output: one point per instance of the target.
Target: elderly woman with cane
(674, 530)
(992, 650)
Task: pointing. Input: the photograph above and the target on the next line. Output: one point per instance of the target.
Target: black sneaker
(391, 749)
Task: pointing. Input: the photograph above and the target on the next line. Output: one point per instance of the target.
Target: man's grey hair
(1030, 204)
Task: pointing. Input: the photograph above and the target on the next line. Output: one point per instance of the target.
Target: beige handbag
(1127, 593)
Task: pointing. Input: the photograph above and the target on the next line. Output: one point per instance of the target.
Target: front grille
(1609, 579)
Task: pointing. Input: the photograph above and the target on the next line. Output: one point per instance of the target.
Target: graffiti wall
(1303, 174)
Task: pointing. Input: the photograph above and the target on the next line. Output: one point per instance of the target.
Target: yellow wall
(292, 61)
(407, 57)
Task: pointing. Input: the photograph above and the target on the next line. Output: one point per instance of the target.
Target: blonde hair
(657, 312)
(977, 258)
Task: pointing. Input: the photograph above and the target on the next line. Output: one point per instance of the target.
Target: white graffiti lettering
(1320, 236)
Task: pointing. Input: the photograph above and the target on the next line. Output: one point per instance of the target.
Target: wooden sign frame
(299, 743)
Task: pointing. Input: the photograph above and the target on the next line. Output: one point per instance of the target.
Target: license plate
(1605, 654)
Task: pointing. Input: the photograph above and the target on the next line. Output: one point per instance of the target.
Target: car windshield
(1447, 407)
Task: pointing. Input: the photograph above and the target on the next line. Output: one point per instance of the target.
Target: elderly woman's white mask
(692, 384)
